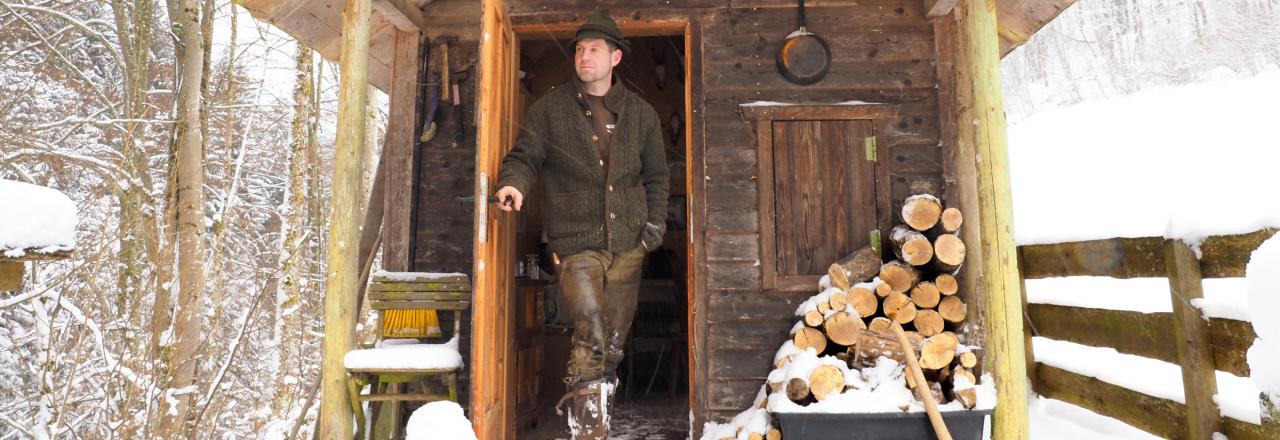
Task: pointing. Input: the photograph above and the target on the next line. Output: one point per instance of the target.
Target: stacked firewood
(852, 317)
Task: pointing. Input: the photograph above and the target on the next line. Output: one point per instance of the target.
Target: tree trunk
(188, 335)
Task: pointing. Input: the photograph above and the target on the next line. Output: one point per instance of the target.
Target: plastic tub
(964, 425)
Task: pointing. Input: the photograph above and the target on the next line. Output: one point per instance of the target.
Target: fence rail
(1199, 346)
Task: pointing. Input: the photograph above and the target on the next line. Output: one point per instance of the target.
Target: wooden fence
(1182, 337)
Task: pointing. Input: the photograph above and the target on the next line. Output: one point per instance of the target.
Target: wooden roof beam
(1018, 20)
(938, 8)
(403, 14)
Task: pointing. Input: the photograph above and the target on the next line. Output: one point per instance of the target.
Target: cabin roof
(318, 23)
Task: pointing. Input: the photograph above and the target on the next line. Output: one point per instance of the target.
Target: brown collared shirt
(602, 121)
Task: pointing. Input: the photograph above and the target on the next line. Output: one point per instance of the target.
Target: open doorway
(652, 400)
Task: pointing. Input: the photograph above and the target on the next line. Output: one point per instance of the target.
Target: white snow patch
(1223, 297)
(439, 420)
(1154, 168)
(1237, 398)
(1057, 420)
(406, 356)
(35, 218)
(415, 276)
(1263, 279)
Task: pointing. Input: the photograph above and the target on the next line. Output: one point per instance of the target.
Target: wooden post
(1191, 335)
(344, 237)
(398, 153)
(1028, 327)
(979, 60)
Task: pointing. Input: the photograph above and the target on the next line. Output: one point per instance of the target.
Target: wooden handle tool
(922, 387)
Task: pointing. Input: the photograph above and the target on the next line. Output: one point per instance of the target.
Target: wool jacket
(591, 203)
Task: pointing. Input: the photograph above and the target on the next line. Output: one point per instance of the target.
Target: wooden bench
(395, 361)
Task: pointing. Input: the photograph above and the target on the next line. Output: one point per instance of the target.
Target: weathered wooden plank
(1141, 334)
(733, 193)
(810, 112)
(1222, 256)
(733, 275)
(1231, 340)
(1019, 19)
(750, 75)
(1116, 258)
(753, 306)
(730, 161)
(761, 335)
(1191, 336)
(1157, 416)
(419, 296)
(855, 45)
(733, 247)
(734, 395)
(732, 220)
(915, 159)
(1136, 333)
(419, 277)
(741, 364)
(418, 305)
(1225, 256)
(11, 275)
(1238, 430)
(398, 154)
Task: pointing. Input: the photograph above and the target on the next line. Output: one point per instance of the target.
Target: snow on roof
(406, 357)
(35, 219)
(1184, 162)
(439, 420)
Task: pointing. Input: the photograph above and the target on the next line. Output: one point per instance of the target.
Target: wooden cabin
(771, 180)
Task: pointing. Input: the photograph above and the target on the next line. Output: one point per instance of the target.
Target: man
(598, 147)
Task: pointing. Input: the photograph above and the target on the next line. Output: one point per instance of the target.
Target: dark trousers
(600, 289)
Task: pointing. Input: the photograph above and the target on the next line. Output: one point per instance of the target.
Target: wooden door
(493, 324)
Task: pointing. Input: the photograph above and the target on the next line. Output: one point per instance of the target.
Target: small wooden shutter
(818, 189)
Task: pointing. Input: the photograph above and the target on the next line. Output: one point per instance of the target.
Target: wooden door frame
(686, 30)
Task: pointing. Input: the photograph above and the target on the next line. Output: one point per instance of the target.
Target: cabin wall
(446, 169)
(883, 51)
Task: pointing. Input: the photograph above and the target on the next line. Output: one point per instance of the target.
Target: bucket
(964, 425)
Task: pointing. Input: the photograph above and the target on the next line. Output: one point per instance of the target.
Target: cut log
(775, 387)
(838, 300)
(755, 436)
(938, 350)
(813, 318)
(844, 329)
(968, 360)
(916, 339)
(921, 212)
(899, 308)
(863, 301)
(797, 390)
(928, 322)
(948, 253)
(900, 276)
(960, 371)
(968, 397)
(810, 337)
(879, 324)
(855, 268)
(773, 434)
(826, 381)
(947, 284)
(784, 361)
(824, 307)
(953, 309)
(872, 345)
(951, 221)
(883, 289)
(925, 295)
(911, 246)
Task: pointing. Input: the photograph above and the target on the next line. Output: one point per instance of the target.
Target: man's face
(593, 60)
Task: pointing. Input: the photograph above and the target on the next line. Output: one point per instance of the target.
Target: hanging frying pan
(804, 58)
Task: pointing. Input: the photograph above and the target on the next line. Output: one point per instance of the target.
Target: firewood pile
(848, 324)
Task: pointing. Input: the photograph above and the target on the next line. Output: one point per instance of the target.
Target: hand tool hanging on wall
(804, 57)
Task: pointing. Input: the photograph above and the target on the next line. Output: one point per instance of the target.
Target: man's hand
(516, 199)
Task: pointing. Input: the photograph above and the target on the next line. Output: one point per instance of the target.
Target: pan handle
(802, 20)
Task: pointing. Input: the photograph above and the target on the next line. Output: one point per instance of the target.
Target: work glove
(651, 236)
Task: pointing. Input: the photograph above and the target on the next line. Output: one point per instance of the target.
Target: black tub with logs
(964, 425)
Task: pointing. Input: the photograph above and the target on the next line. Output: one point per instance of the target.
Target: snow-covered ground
(1185, 162)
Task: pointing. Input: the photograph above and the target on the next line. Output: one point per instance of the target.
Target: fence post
(1028, 327)
(1191, 334)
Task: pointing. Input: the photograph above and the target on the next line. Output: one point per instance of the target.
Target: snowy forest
(193, 306)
